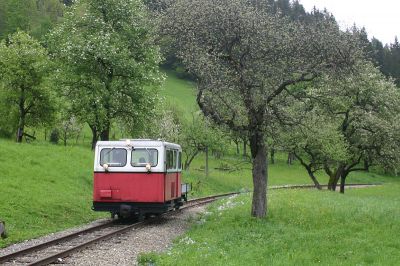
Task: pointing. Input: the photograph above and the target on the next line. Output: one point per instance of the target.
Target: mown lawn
(304, 227)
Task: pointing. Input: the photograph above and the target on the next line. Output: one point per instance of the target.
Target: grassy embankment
(45, 188)
(304, 227)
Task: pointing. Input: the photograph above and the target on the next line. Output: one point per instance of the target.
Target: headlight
(148, 167)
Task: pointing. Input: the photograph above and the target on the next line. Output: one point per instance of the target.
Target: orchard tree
(245, 59)
(196, 134)
(314, 140)
(199, 135)
(348, 125)
(109, 64)
(69, 128)
(167, 125)
(24, 65)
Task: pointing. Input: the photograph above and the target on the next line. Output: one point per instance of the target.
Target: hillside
(179, 93)
(44, 188)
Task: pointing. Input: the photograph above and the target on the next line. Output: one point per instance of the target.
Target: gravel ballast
(124, 249)
(155, 236)
(49, 237)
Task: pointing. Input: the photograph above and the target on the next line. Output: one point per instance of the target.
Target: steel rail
(53, 258)
(49, 243)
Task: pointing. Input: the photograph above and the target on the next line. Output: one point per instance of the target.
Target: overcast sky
(381, 18)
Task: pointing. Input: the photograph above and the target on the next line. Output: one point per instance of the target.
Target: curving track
(55, 250)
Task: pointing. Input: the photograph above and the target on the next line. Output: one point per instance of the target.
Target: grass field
(279, 174)
(304, 227)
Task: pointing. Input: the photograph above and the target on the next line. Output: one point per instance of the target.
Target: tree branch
(284, 84)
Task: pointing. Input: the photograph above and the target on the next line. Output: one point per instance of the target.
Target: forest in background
(39, 16)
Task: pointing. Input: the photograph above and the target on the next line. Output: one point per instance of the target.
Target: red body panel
(136, 187)
(128, 187)
(178, 184)
(170, 186)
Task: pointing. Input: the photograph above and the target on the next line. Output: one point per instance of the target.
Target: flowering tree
(245, 60)
(24, 65)
(347, 125)
(109, 63)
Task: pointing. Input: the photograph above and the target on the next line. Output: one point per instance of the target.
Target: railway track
(55, 250)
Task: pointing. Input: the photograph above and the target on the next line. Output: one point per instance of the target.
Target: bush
(54, 136)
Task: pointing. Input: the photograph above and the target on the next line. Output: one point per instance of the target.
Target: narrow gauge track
(54, 250)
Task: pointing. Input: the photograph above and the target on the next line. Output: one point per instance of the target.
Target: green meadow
(304, 227)
(179, 93)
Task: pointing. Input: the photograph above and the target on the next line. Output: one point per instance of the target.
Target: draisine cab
(138, 177)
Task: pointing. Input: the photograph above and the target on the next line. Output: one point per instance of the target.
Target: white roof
(129, 144)
(137, 143)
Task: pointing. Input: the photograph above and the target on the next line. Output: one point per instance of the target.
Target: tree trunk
(206, 161)
(260, 175)
(314, 179)
(65, 138)
(335, 181)
(290, 158)
(20, 133)
(330, 181)
(22, 114)
(190, 159)
(272, 156)
(105, 134)
(343, 177)
(94, 136)
(334, 178)
(366, 165)
(244, 148)
(309, 171)
(237, 146)
(342, 183)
